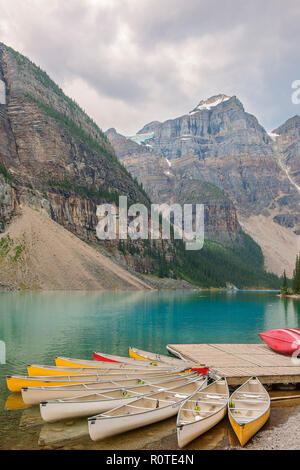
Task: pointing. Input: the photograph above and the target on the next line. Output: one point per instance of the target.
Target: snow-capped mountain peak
(210, 103)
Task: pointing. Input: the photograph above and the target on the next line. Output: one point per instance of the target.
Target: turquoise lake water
(36, 326)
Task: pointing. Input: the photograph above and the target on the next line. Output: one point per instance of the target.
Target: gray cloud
(128, 62)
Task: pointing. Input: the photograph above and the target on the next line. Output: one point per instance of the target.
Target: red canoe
(284, 341)
(110, 358)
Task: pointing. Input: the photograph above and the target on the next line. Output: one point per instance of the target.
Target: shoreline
(289, 296)
(155, 284)
(280, 432)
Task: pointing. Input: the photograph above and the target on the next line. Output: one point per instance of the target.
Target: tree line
(295, 286)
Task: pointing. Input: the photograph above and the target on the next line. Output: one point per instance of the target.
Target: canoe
(38, 370)
(284, 341)
(202, 411)
(142, 411)
(149, 356)
(15, 383)
(142, 355)
(175, 353)
(89, 405)
(131, 364)
(34, 395)
(127, 360)
(248, 409)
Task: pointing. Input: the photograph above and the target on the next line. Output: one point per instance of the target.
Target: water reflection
(53, 433)
(14, 402)
(282, 314)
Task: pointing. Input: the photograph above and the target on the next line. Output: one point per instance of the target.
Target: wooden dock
(238, 362)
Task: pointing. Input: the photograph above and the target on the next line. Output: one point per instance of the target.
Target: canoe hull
(199, 368)
(284, 341)
(102, 428)
(52, 412)
(42, 371)
(248, 409)
(189, 432)
(244, 432)
(99, 357)
(34, 395)
(31, 396)
(99, 364)
(16, 383)
(134, 355)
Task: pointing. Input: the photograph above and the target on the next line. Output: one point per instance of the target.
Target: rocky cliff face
(53, 153)
(9, 202)
(233, 151)
(287, 141)
(165, 182)
(219, 143)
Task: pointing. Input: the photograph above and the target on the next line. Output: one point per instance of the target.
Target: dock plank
(241, 361)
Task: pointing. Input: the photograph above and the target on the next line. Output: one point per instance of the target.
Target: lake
(36, 326)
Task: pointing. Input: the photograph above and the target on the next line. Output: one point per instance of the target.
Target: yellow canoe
(71, 362)
(136, 354)
(37, 370)
(17, 382)
(248, 409)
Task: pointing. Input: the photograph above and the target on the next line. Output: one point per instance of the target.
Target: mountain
(287, 138)
(54, 159)
(220, 144)
(56, 166)
(165, 182)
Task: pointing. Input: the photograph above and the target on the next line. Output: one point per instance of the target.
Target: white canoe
(202, 411)
(129, 364)
(34, 395)
(142, 411)
(89, 405)
(15, 383)
(40, 370)
(248, 409)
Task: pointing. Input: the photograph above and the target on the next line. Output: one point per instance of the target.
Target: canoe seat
(219, 395)
(245, 419)
(245, 409)
(202, 400)
(251, 397)
(194, 411)
(209, 402)
(139, 407)
(248, 400)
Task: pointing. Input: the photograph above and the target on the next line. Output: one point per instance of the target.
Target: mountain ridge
(54, 160)
(224, 145)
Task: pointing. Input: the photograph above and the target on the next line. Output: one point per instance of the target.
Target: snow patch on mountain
(210, 103)
(141, 138)
(273, 135)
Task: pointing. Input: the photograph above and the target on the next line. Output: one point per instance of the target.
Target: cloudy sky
(129, 62)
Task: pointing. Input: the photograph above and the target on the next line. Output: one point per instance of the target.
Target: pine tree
(284, 288)
(296, 277)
